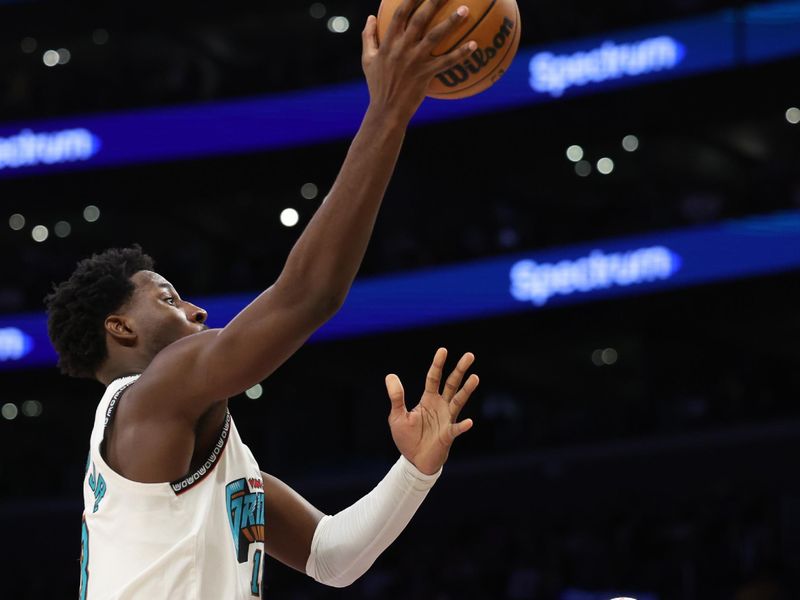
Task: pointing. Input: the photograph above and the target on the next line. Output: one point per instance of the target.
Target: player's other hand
(400, 68)
(425, 434)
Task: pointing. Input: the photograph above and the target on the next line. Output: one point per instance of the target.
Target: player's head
(113, 304)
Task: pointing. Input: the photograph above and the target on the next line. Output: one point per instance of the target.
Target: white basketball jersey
(201, 537)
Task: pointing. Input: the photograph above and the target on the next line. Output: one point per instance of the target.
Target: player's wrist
(425, 474)
(386, 118)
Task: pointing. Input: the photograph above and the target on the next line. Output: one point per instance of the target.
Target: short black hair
(77, 308)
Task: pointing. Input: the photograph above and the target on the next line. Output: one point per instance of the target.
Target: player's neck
(116, 367)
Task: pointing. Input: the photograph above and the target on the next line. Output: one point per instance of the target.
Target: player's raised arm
(320, 269)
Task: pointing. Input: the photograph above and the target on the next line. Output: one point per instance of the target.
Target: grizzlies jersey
(201, 537)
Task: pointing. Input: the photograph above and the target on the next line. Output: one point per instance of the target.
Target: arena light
(793, 115)
(338, 24)
(309, 191)
(32, 408)
(91, 213)
(40, 233)
(583, 168)
(289, 217)
(50, 58)
(605, 166)
(62, 229)
(255, 392)
(16, 222)
(630, 143)
(9, 411)
(575, 153)
(64, 56)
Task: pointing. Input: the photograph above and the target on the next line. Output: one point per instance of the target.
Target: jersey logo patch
(98, 485)
(246, 516)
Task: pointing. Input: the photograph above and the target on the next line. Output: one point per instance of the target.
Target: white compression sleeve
(345, 545)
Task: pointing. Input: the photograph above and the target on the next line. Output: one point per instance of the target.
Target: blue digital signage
(724, 40)
(533, 281)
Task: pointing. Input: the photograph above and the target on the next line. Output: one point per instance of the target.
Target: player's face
(160, 315)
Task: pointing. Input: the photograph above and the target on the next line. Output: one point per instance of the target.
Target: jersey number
(255, 584)
(84, 560)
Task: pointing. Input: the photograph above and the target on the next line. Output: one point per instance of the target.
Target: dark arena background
(613, 229)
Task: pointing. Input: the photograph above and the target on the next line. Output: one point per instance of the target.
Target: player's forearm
(326, 258)
(345, 545)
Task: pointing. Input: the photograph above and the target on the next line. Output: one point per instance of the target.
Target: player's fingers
(434, 377)
(454, 380)
(422, 17)
(461, 398)
(453, 58)
(396, 395)
(369, 36)
(462, 427)
(400, 18)
(446, 27)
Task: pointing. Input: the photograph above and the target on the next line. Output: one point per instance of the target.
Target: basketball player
(175, 504)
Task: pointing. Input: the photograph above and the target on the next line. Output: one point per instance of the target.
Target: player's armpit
(290, 523)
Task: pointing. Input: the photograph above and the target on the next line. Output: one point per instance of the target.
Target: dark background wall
(671, 472)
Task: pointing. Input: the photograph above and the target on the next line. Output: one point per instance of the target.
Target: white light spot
(31, 408)
(62, 229)
(597, 358)
(793, 115)
(317, 10)
(39, 233)
(100, 36)
(575, 153)
(28, 45)
(605, 166)
(63, 56)
(91, 213)
(630, 143)
(9, 411)
(254, 393)
(16, 221)
(338, 24)
(309, 191)
(50, 58)
(583, 168)
(289, 217)
(609, 356)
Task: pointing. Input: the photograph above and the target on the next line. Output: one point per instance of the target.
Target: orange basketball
(493, 24)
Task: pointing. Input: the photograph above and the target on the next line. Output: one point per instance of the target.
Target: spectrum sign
(29, 149)
(661, 52)
(532, 281)
(553, 74)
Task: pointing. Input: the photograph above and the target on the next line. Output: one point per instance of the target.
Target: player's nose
(196, 314)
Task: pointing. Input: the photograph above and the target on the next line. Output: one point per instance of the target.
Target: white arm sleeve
(345, 545)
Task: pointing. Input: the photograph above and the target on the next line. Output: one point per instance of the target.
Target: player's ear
(121, 329)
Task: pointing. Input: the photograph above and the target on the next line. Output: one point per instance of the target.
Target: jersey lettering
(246, 516)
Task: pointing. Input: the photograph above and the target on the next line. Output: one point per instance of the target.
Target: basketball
(493, 24)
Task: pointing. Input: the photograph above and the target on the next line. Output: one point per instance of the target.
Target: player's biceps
(229, 366)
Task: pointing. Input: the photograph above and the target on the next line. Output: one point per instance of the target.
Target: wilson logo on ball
(478, 60)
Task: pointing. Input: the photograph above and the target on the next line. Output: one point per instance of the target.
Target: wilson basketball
(493, 24)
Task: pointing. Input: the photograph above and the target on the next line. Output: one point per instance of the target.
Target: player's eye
(170, 300)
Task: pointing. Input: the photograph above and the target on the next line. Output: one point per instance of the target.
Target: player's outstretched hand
(400, 67)
(425, 434)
